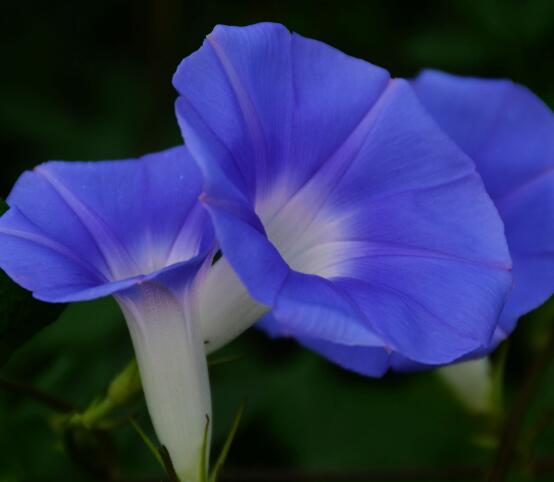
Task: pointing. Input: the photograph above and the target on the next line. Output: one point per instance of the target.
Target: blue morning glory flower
(509, 133)
(347, 215)
(132, 229)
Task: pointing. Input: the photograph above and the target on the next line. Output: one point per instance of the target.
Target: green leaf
(151, 446)
(21, 316)
(213, 362)
(220, 462)
(204, 452)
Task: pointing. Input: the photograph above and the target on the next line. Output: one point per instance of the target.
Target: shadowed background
(92, 81)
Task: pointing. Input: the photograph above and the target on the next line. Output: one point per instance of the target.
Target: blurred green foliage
(92, 80)
(21, 316)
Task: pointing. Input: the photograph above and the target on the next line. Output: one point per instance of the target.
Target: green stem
(123, 390)
(516, 418)
(36, 394)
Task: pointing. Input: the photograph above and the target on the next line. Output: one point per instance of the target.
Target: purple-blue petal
(253, 98)
(509, 133)
(501, 125)
(338, 201)
(366, 360)
(314, 307)
(369, 361)
(81, 230)
(257, 262)
(41, 263)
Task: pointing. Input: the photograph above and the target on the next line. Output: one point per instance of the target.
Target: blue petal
(529, 218)
(257, 262)
(311, 306)
(338, 201)
(509, 133)
(502, 126)
(175, 277)
(366, 360)
(40, 263)
(370, 361)
(81, 230)
(254, 99)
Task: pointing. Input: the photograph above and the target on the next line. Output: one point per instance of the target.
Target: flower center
(308, 239)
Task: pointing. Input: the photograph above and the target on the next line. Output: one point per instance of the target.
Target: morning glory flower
(509, 133)
(132, 229)
(349, 218)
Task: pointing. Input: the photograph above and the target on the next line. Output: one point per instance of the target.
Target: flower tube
(352, 221)
(132, 229)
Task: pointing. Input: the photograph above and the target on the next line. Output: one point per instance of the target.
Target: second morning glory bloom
(339, 206)
(509, 133)
(132, 229)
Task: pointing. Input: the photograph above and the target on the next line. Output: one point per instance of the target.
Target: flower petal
(502, 126)
(39, 263)
(80, 230)
(257, 263)
(509, 133)
(366, 360)
(311, 306)
(322, 176)
(369, 361)
(529, 220)
(274, 106)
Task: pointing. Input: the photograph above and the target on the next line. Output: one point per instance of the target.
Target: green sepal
(220, 462)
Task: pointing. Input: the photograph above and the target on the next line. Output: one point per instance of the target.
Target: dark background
(92, 80)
